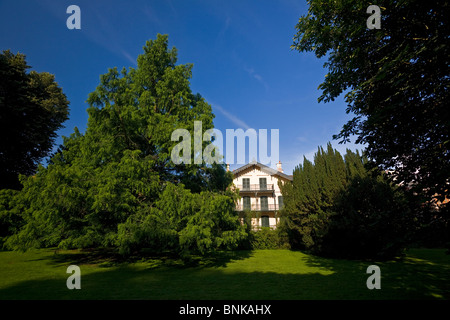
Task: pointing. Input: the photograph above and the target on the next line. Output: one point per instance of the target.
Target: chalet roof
(263, 168)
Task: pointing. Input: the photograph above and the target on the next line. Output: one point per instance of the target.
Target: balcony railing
(255, 187)
(257, 207)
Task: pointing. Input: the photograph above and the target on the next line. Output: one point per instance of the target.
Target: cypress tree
(336, 207)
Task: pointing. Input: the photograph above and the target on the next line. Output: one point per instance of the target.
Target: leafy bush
(183, 222)
(372, 221)
(267, 238)
(10, 219)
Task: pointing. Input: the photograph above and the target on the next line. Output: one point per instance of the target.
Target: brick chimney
(279, 166)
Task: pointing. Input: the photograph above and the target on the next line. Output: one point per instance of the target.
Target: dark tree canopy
(395, 79)
(32, 108)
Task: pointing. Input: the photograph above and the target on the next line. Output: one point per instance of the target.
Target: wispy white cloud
(224, 29)
(106, 35)
(257, 76)
(129, 57)
(103, 33)
(240, 123)
(250, 71)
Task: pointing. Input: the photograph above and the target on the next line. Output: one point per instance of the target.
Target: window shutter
(262, 183)
(264, 204)
(265, 221)
(246, 184)
(246, 203)
(280, 202)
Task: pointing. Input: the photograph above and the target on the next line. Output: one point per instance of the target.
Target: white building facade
(260, 194)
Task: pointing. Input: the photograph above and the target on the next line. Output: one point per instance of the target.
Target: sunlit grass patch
(258, 274)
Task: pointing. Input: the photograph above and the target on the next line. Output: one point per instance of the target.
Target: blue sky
(243, 64)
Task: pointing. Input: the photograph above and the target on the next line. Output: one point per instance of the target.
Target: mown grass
(259, 274)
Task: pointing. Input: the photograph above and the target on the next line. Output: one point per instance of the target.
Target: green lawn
(259, 274)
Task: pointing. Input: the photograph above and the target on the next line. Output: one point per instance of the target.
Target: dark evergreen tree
(336, 207)
(309, 201)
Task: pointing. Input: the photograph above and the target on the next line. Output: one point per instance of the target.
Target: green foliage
(183, 222)
(267, 238)
(10, 219)
(395, 81)
(373, 221)
(310, 200)
(336, 207)
(432, 229)
(116, 186)
(262, 238)
(32, 108)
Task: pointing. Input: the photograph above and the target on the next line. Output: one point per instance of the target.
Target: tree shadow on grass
(110, 258)
(421, 274)
(126, 282)
(411, 278)
(206, 279)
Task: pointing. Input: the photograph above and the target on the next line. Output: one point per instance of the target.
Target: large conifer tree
(111, 186)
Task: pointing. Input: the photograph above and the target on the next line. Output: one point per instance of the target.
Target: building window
(262, 183)
(280, 202)
(245, 183)
(264, 204)
(246, 203)
(265, 221)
